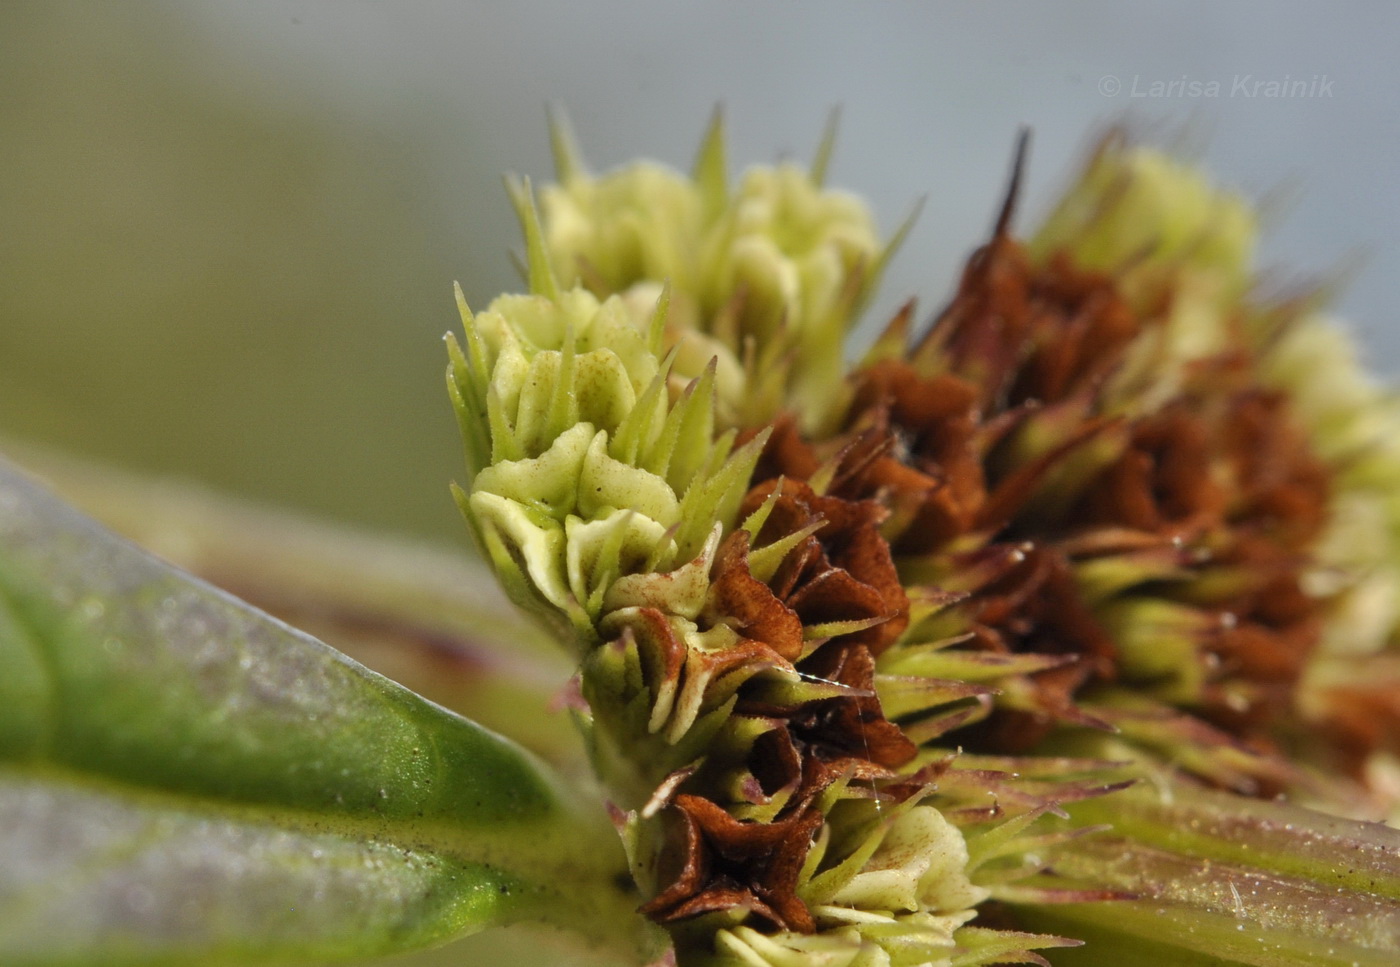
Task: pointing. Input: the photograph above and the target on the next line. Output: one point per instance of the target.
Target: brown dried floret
(842, 573)
(748, 605)
(849, 733)
(836, 576)
(725, 863)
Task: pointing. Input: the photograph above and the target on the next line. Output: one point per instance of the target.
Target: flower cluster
(764, 276)
(1086, 452)
(847, 636)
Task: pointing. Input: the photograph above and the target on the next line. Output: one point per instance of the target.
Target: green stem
(1220, 879)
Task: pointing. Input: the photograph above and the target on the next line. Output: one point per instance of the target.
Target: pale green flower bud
(920, 865)
(1357, 569)
(1355, 426)
(771, 275)
(586, 467)
(903, 894)
(1354, 421)
(1180, 251)
(799, 256)
(1192, 325)
(643, 222)
(1139, 214)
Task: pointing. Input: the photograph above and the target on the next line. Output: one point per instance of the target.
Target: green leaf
(184, 779)
(93, 870)
(430, 618)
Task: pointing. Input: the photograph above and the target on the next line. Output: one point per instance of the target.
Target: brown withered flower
(1156, 533)
(728, 864)
(790, 740)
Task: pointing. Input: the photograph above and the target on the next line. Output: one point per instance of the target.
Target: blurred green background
(228, 231)
(208, 279)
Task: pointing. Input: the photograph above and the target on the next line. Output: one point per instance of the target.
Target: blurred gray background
(228, 231)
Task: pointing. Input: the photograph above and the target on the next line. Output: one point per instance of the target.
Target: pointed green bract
(711, 172)
(826, 148)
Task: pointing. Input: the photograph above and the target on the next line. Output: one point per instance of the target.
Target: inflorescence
(851, 636)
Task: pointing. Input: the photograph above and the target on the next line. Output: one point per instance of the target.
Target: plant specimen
(999, 640)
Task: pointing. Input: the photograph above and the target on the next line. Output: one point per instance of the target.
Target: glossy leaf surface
(182, 778)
